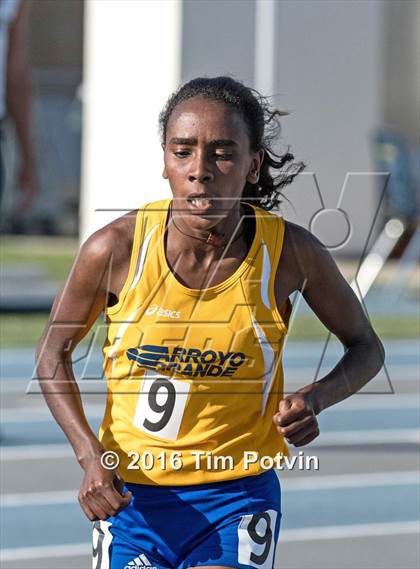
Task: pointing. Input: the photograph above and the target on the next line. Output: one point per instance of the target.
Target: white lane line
(301, 534)
(366, 437)
(315, 482)
(31, 388)
(43, 414)
(398, 478)
(393, 347)
(96, 410)
(385, 401)
(36, 452)
(334, 438)
(86, 386)
(38, 498)
(45, 551)
(349, 531)
(397, 374)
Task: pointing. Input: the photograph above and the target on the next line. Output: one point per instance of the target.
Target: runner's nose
(200, 169)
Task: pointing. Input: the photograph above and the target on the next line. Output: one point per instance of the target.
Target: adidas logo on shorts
(140, 562)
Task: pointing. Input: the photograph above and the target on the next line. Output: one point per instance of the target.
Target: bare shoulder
(300, 252)
(297, 239)
(104, 258)
(304, 261)
(323, 286)
(113, 241)
(94, 280)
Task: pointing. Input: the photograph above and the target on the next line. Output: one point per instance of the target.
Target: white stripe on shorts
(102, 538)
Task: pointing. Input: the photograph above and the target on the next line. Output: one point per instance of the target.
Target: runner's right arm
(74, 312)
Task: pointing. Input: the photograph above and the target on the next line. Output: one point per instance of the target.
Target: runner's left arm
(336, 305)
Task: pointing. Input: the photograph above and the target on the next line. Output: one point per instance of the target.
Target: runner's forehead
(213, 120)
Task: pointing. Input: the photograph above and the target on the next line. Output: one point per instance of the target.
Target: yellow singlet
(194, 375)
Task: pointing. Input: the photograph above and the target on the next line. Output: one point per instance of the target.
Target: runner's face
(208, 160)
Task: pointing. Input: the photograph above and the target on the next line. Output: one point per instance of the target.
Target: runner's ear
(164, 174)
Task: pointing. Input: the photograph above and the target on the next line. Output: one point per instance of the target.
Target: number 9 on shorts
(256, 543)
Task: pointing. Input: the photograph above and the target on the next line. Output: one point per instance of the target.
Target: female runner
(196, 296)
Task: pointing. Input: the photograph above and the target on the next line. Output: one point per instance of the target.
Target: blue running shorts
(234, 523)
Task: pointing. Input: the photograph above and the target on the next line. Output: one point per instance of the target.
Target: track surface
(360, 510)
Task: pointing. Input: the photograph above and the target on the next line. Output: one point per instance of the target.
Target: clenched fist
(296, 420)
(100, 494)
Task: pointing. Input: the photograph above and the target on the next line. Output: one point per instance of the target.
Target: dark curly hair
(277, 171)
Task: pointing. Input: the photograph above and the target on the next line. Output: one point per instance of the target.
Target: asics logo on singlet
(140, 562)
(159, 311)
(190, 362)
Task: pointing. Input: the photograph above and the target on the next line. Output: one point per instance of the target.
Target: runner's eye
(181, 153)
(223, 156)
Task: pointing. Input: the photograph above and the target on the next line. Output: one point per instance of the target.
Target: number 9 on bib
(160, 406)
